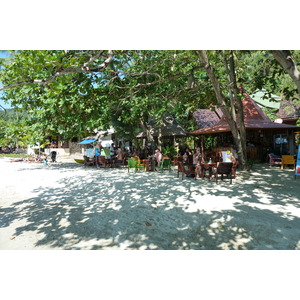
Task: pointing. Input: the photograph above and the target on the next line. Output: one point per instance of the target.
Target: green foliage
(210, 142)
(135, 87)
(15, 129)
(260, 70)
(170, 151)
(271, 113)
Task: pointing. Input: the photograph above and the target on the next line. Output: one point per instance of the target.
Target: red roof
(254, 118)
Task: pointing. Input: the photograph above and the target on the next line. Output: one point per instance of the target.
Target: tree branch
(285, 59)
(83, 69)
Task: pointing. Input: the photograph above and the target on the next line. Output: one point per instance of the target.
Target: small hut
(168, 131)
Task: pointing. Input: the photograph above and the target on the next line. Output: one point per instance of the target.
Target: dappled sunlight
(89, 208)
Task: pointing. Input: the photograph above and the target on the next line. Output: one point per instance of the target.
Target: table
(206, 167)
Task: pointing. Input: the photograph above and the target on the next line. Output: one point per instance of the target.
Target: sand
(68, 206)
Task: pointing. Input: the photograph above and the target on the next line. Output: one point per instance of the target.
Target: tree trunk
(238, 139)
(285, 59)
(240, 111)
(159, 138)
(149, 136)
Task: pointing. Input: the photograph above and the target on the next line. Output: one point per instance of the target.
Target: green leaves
(135, 86)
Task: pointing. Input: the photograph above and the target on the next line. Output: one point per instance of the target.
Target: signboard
(297, 172)
(226, 156)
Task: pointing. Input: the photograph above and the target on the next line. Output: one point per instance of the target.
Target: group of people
(119, 154)
(196, 158)
(35, 158)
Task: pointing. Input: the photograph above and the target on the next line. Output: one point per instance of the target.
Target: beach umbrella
(87, 141)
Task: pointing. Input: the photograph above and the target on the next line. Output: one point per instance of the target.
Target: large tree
(231, 106)
(72, 92)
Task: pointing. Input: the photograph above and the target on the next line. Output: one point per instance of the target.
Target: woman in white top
(158, 156)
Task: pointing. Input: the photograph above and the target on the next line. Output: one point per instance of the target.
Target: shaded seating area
(288, 160)
(274, 159)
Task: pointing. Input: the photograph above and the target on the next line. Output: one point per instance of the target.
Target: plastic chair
(288, 160)
(274, 160)
(165, 165)
(133, 163)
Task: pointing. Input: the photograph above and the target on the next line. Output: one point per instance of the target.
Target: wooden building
(263, 135)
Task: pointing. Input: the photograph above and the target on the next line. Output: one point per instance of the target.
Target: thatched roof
(170, 127)
(289, 109)
(207, 118)
(254, 118)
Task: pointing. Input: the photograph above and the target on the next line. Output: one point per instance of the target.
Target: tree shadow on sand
(114, 209)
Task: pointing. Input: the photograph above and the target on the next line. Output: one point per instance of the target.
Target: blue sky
(5, 105)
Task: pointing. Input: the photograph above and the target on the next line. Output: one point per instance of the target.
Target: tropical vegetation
(74, 92)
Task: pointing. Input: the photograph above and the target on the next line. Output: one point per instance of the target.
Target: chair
(138, 160)
(274, 159)
(223, 168)
(133, 163)
(87, 161)
(203, 168)
(175, 161)
(101, 161)
(165, 165)
(288, 160)
(186, 170)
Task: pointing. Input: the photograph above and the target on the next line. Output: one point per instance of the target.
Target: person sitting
(187, 156)
(120, 156)
(100, 148)
(135, 152)
(232, 158)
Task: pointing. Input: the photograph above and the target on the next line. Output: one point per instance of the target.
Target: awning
(87, 141)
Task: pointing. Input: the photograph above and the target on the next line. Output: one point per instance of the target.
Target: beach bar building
(263, 135)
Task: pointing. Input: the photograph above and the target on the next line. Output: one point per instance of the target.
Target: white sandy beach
(67, 206)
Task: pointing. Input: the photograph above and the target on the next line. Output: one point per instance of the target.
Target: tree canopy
(73, 92)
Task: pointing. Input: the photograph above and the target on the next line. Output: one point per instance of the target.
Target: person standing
(112, 150)
(196, 157)
(158, 156)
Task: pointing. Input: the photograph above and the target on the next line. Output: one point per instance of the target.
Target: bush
(169, 151)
